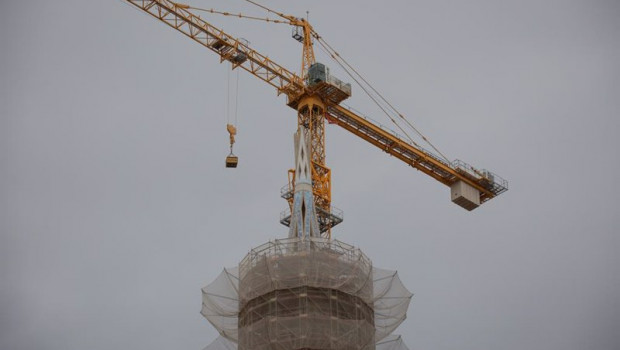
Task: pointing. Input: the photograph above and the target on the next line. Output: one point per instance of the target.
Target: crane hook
(231, 160)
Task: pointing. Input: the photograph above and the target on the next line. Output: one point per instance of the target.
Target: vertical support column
(308, 55)
(311, 119)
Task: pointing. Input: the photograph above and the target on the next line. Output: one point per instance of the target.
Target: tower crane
(317, 97)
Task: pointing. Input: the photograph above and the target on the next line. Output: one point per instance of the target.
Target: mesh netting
(221, 343)
(392, 342)
(391, 301)
(306, 293)
(220, 303)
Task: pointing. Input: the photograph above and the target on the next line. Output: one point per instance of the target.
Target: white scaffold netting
(221, 343)
(220, 303)
(306, 293)
(391, 342)
(391, 301)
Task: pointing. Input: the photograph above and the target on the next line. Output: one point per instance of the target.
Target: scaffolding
(306, 293)
(392, 342)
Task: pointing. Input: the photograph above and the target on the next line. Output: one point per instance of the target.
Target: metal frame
(325, 95)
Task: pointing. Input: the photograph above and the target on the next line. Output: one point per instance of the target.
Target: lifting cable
(373, 99)
(232, 113)
(232, 128)
(227, 96)
(237, 98)
(341, 62)
(334, 54)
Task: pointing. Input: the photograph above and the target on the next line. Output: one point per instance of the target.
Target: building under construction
(305, 291)
(309, 291)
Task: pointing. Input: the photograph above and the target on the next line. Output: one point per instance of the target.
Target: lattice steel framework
(311, 119)
(240, 55)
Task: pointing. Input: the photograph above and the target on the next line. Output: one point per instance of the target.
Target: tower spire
(303, 217)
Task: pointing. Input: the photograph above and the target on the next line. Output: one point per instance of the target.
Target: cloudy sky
(116, 208)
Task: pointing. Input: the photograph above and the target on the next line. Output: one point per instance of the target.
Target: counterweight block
(465, 195)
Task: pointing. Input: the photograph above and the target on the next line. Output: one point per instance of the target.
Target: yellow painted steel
(312, 107)
(308, 52)
(408, 153)
(311, 118)
(226, 46)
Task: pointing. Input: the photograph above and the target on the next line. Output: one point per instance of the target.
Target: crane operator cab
(231, 160)
(321, 82)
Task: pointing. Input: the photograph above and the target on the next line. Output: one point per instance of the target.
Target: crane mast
(316, 96)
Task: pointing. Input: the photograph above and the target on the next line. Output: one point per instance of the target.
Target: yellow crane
(316, 95)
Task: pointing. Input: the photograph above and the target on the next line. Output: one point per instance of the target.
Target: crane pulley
(317, 97)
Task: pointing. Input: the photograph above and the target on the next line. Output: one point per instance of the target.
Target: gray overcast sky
(115, 206)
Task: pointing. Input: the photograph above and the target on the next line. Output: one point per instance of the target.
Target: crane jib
(226, 46)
